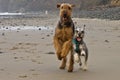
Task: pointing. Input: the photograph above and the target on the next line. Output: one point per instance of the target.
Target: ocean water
(6, 13)
(21, 15)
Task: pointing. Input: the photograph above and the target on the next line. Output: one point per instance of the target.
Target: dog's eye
(62, 7)
(69, 8)
(76, 31)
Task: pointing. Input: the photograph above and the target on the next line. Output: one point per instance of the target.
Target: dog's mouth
(65, 18)
(78, 39)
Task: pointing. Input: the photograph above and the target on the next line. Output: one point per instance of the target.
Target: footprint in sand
(32, 69)
(2, 69)
(1, 52)
(50, 53)
(15, 57)
(33, 60)
(35, 74)
(36, 61)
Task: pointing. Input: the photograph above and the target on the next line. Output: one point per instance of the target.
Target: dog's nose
(82, 54)
(65, 14)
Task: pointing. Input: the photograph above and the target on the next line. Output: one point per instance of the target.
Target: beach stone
(50, 53)
(106, 41)
(3, 34)
(42, 38)
(48, 35)
(1, 52)
(39, 28)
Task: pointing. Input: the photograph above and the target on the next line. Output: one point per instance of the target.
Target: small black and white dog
(80, 48)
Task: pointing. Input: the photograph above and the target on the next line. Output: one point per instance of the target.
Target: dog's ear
(58, 5)
(83, 28)
(83, 31)
(72, 5)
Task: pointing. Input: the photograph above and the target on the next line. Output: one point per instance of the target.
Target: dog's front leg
(58, 47)
(63, 64)
(85, 66)
(67, 46)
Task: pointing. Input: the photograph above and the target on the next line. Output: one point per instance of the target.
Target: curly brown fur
(63, 36)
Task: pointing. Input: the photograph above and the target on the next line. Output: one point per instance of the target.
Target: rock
(42, 38)
(106, 41)
(48, 35)
(3, 34)
(26, 34)
(6, 27)
(15, 57)
(18, 28)
(118, 36)
(39, 28)
(1, 52)
(50, 53)
(23, 76)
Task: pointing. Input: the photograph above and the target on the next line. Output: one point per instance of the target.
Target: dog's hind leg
(58, 47)
(86, 59)
(63, 64)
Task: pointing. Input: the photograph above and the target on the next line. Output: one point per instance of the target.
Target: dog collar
(77, 44)
(68, 24)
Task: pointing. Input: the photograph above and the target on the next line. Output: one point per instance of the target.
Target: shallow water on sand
(17, 28)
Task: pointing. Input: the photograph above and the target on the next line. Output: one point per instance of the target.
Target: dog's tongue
(78, 39)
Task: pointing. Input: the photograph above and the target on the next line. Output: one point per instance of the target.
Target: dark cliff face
(38, 5)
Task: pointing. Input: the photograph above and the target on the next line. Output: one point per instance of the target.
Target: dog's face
(79, 34)
(65, 11)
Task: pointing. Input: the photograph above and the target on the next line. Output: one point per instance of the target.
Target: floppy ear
(58, 5)
(72, 5)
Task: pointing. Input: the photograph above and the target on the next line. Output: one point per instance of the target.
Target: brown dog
(64, 33)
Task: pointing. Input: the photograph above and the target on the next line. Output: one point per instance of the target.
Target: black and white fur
(81, 56)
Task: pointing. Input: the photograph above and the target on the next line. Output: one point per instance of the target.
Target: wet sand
(27, 54)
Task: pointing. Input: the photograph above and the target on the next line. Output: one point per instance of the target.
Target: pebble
(3, 34)
(107, 41)
(50, 53)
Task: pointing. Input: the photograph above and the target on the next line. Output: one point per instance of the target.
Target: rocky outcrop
(115, 2)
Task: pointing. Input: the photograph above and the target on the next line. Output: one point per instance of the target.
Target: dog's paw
(62, 67)
(85, 68)
(59, 58)
(70, 70)
(76, 58)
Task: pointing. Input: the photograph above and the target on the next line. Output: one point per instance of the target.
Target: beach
(27, 51)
